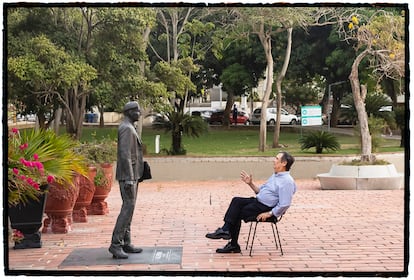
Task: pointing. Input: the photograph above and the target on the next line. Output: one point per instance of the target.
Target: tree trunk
(176, 142)
(68, 114)
(359, 93)
(56, 121)
(41, 120)
(279, 81)
(75, 103)
(167, 32)
(174, 23)
(80, 113)
(101, 116)
(145, 39)
(267, 46)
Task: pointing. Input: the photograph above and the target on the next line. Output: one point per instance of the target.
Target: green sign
(311, 115)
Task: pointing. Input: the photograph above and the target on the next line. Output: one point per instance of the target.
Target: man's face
(278, 165)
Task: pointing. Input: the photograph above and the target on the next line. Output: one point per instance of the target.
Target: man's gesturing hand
(246, 177)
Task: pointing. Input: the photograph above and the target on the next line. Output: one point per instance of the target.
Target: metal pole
(329, 107)
(221, 94)
(157, 144)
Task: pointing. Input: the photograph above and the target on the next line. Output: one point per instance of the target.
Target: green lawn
(239, 141)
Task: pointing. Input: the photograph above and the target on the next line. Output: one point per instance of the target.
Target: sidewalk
(329, 233)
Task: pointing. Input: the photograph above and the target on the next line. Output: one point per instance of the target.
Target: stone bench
(365, 177)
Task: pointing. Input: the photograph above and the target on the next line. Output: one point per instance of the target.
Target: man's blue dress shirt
(277, 192)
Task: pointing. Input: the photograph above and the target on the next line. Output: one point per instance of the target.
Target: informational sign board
(311, 115)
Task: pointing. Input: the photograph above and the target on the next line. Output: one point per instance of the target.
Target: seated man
(272, 198)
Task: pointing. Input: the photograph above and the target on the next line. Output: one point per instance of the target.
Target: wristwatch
(271, 213)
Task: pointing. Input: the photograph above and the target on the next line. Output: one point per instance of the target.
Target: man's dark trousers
(242, 208)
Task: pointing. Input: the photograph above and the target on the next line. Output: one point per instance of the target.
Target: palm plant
(39, 157)
(178, 123)
(374, 103)
(320, 140)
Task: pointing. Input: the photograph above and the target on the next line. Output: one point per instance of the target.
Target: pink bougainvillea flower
(38, 165)
(16, 171)
(15, 130)
(36, 186)
(36, 157)
(17, 233)
(17, 236)
(23, 146)
(50, 179)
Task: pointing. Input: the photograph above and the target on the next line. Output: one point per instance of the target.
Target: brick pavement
(323, 233)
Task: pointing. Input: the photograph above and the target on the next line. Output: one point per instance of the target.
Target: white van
(285, 117)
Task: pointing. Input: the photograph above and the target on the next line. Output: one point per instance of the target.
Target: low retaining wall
(228, 168)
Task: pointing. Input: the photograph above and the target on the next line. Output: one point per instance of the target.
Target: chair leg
(254, 234)
(280, 243)
(248, 237)
(274, 235)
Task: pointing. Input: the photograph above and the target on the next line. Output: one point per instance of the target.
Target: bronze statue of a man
(129, 169)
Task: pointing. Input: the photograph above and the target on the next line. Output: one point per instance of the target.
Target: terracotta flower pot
(59, 206)
(86, 192)
(99, 206)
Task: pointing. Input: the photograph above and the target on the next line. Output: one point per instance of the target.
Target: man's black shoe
(117, 252)
(219, 233)
(131, 249)
(229, 248)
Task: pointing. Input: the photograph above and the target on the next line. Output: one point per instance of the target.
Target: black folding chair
(273, 221)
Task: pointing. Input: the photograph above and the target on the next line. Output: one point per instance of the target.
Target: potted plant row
(100, 155)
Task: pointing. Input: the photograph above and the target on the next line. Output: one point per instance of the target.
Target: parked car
(27, 118)
(205, 114)
(285, 117)
(218, 116)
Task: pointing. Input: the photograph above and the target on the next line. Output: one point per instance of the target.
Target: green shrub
(320, 140)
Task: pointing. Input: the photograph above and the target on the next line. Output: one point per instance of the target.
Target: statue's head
(132, 110)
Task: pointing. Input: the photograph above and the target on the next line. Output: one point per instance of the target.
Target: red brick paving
(323, 231)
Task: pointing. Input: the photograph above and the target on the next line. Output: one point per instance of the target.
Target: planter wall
(365, 177)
